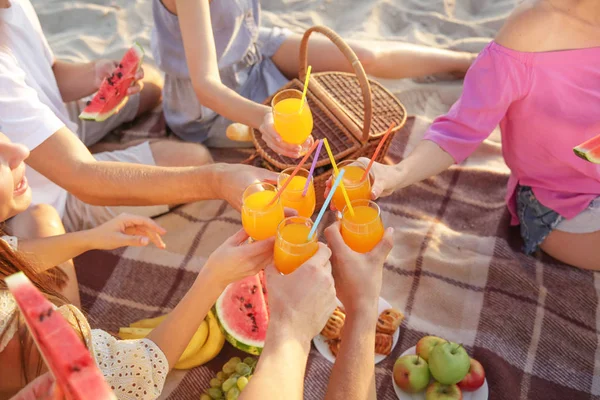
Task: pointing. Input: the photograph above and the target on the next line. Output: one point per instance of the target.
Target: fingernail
(278, 139)
(144, 241)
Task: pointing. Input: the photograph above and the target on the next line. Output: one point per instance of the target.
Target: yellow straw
(305, 87)
(337, 172)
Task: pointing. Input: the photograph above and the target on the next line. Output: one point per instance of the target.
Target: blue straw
(326, 204)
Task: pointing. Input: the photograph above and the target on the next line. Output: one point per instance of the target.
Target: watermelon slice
(243, 313)
(590, 150)
(112, 95)
(66, 356)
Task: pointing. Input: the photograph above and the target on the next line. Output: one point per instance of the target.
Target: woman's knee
(40, 220)
(170, 153)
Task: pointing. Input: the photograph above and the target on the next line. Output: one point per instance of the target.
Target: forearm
(75, 80)
(426, 160)
(48, 252)
(353, 374)
(115, 183)
(226, 102)
(175, 332)
(280, 369)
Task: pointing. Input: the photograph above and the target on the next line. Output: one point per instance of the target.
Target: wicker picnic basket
(350, 110)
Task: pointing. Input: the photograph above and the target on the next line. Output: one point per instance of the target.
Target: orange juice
(292, 247)
(294, 126)
(292, 195)
(259, 220)
(363, 230)
(356, 189)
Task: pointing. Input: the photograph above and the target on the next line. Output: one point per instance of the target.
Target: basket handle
(354, 61)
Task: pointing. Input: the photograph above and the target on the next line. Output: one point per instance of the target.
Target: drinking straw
(312, 167)
(305, 88)
(377, 150)
(287, 182)
(337, 172)
(337, 182)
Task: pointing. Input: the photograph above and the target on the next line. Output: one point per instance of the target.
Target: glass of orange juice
(259, 219)
(293, 121)
(356, 189)
(292, 195)
(363, 230)
(292, 247)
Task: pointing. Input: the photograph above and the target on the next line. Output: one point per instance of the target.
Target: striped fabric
(456, 271)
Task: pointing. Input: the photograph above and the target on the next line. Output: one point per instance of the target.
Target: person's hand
(41, 388)
(275, 142)
(233, 179)
(236, 259)
(301, 303)
(357, 276)
(126, 230)
(385, 179)
(104, 69)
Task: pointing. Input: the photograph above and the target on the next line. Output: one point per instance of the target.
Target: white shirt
(31, 107)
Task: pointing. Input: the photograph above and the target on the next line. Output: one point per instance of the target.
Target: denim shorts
(536, 220)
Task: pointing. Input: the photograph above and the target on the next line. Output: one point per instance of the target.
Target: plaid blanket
(456, 271)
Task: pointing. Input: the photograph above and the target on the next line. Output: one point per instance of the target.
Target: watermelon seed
(248, 305)
(41, 317)
(119, 75)
(88, 103)
(120, 65)
(75, 368)
(254, 289)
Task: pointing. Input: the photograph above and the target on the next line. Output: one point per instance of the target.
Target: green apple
(426, 344)
(437, 391)
(449, 363)
(411, 373)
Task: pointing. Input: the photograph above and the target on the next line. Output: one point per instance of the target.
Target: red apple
(426, 345)
(437, 391)
(475, 377)
(411, 373)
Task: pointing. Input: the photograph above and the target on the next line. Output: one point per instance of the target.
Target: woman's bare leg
(577, 249)
(41, 221)
(392, 61)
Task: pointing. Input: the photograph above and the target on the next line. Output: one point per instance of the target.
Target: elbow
(207, 90)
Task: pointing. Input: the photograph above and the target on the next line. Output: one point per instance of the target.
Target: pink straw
(288, 180)
(377, 150)
(312, 167)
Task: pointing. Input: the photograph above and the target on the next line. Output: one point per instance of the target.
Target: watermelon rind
(101, 117)
(589, 150)
(246, 345)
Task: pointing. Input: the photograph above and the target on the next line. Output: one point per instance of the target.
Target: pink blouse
(546, 104)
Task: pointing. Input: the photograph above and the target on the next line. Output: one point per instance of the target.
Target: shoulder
(530, 27)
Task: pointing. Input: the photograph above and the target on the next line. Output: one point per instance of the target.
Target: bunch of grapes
(229, 383)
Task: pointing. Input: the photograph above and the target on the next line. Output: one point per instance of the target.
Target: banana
(148, 323)
(133, 333)
(212, 347)
(196, 343)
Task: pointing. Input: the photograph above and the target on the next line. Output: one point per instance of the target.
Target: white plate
(321, 342)
(480, 394)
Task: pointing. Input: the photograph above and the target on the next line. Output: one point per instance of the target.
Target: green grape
(215, 394)
(250, 377)
(243, 369)
(204, 396)
(221, 376)
(235, 361)
(251, 361)
(233, 393)
(228, 384)
(229, 368)
(235, 375)
(216, 383)
(242, 382)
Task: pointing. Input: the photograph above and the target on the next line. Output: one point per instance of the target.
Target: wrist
(208, 275)
(399, 176)
(217, 179)
(282, 335)
(363, 310)
(88, 239)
